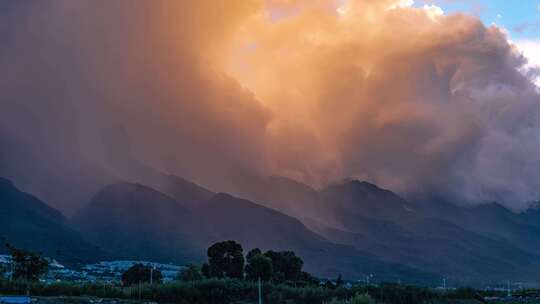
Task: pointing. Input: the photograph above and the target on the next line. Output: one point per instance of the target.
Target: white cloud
(341, 9)
(402, 4)
(433, 11)
(531, 50)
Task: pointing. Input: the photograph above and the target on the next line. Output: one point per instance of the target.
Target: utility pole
(151, 275)
(11, 272)
(444, 284)
(140, 291)
(260, 292)
(508, 288)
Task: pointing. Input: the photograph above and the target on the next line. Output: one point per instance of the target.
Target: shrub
(190, 273)
(141, 273)
(362, 299)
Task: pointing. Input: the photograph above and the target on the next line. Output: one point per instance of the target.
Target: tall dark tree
(225, 259)
(258, 266)
(306, 279)
(339, 281)
(252, 253)
(286, 266)
(27, 265)
(205, 269)
(329, 284)
(141, 273)
(190, 273)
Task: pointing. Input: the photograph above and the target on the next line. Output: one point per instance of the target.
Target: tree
(141, 273)
(286, 266)
(329, 284)
(190, 273)
(362, 299)
(339, 281)
(205, 269)
(259, 266)
(225, 259)
(252, 253)
(306, 279)
(27, 265)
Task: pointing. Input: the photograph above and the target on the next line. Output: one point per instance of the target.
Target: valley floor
(82, 300)
(66, 300)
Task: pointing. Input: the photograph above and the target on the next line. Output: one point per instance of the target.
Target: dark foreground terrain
(83, 300)
(88, 300)
(225, 291)
(93, 300)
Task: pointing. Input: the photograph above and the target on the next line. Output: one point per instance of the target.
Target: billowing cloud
(316, 90)
(405, 97)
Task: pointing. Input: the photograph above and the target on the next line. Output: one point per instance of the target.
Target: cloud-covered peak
(409, 98)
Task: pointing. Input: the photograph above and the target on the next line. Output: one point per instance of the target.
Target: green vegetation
(225, 260)
(286, 265)
(362, 299)
(140, 273)
(69, 289)
(191, 273)
(27, 266)
(225, 279)
(259, 266)
(222, 291)
(356, 299)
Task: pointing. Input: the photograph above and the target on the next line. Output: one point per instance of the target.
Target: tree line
(226, 260)
(25, 265)
(227, 276)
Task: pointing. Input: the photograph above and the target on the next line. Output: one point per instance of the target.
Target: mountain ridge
(168, 218)
(27, 222)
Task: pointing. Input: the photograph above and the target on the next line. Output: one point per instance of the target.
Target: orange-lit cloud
(317, 90)
(405, 97)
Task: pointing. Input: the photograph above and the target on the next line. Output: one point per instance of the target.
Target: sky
(521, 19)
(403, 94)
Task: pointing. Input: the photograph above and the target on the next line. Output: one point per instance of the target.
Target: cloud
(77, 71)
(433, 11)
(401, 4)
(397, 97)
(209, 89)
(531, 51)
